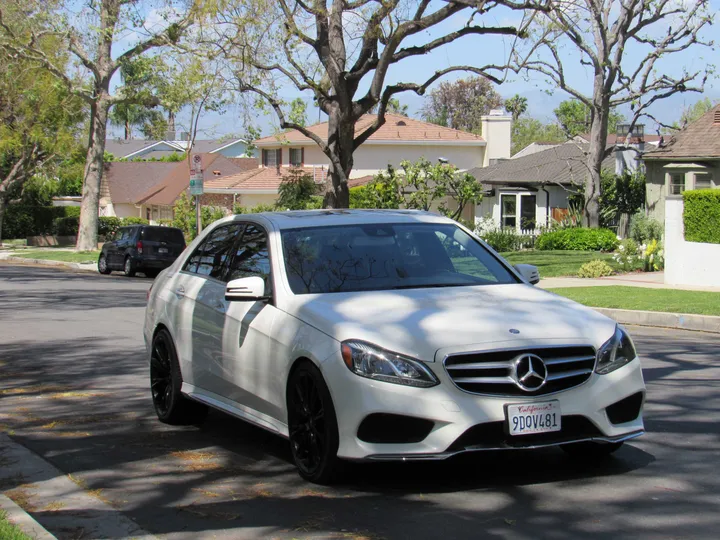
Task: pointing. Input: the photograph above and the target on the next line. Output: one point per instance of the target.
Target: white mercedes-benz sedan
(383, 335)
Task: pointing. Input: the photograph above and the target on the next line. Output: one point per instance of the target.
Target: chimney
(496, 130)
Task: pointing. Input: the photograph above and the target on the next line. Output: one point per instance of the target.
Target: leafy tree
(621, 194)
(625, 47)
(692, 113)
(341, 51)
(297, 190)
(574, 118)
(516, 106)
(39, 118)
(460, 104)
(529, 130)
(90, 33)
(298, 112)
(394, 106)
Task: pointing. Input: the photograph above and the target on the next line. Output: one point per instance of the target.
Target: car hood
(429, 323)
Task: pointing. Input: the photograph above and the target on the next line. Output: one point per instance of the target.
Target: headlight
(615, 353)
(375, 363)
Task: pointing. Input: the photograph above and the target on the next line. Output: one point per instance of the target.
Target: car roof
(295, 219)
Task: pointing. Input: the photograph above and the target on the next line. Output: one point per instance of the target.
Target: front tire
(312, 424)
(102, 265)
(170, 405)
(129, 267)
(591, 450)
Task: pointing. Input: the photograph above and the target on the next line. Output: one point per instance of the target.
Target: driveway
(74, 390)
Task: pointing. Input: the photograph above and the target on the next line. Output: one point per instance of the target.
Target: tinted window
(124, 234)
(251, 257)
(163, 234)
(383, 256)
(212, 256)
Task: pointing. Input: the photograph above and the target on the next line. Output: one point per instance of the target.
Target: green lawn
(557, 263)
(644, 299)
(8, 531)
(56, 255)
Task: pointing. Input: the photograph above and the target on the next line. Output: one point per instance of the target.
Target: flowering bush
(595, 269)
(627, 255)
(653, 256)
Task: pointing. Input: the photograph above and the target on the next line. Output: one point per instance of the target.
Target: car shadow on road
(84, 405)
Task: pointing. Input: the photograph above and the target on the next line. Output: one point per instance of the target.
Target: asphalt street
(74, 390)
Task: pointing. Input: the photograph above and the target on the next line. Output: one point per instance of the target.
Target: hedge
(578, 239)
(701, 215)
(21, 221)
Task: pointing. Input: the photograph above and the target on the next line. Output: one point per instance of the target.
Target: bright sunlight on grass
(557, 263)
(645, 299)
(57, 255)
(8, 531)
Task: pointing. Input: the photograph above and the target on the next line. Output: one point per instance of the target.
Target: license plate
(531, 418)
(162, 250)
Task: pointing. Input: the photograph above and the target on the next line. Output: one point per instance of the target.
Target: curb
(660, 319)
(46, 262)
(23, 521)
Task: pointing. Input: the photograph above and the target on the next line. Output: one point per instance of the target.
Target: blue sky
(477, 51)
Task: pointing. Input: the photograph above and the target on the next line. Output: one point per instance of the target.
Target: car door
(112, 249)
(251, 371)
(203, 304)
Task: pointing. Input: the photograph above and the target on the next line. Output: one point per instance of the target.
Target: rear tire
(151, 273)
(129, 267)
(592, 450)
(103, 266)
(170, 405)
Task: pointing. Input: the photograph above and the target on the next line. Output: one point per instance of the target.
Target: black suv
(141, 248)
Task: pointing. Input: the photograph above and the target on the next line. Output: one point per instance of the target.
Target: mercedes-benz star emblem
(530, 372)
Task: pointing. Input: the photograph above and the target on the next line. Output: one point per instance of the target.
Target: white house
(400, 138)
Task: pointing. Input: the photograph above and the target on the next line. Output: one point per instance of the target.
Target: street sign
(196, 176)
(196, 183)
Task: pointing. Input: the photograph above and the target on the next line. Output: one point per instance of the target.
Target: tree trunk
(341, 134)
(128, 130)
(89, 210)
(2, 215)
(171, 124)
(596, 154)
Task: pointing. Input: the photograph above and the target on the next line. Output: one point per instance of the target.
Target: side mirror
(529, 272)
(248, 289)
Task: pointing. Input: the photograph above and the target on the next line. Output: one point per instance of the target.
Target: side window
(251, 257)
(464, 261)
(212, 256)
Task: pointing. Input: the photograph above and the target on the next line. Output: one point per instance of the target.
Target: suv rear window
(163, 234)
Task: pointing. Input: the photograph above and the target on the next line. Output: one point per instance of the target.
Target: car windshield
(387, 256)
(163, 234)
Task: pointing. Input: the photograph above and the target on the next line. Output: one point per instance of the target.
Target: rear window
(163, 234)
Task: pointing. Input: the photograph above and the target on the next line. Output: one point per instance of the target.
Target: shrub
(66, 226)
(653, 257)
(702, 216)
(578, 239)
(165, 222)
(643, 228)
(628, 256)
(126, 222)
(72, 211)
(595, 269)
(503, 239)
(21, 221)
(108, 225)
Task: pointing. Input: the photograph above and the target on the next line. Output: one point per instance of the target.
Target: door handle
(180, 291)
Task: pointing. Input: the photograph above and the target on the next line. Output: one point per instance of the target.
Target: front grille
(492, 373)
(494, 435)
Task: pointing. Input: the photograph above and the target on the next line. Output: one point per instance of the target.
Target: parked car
(141, 248)
(383, 335)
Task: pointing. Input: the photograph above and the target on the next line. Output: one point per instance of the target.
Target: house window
(527, 212)
(703, 180)
(272, 158)
(508, 211)
(297, 156)
(677, 183)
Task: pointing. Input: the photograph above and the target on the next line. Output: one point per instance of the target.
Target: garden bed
(559, 263)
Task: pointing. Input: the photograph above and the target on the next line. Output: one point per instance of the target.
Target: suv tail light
(138, 246)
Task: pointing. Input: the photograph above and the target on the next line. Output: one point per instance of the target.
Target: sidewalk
(650, 280)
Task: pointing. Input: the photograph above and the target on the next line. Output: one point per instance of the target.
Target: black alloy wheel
(102, 265)
(170, 405)
(313, 425)
(129, 267)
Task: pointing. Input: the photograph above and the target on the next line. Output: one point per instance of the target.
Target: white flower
(621, 248)
(618, 237)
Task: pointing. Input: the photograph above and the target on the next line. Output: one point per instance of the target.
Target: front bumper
(464, 422)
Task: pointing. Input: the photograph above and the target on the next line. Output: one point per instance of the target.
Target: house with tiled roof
(157, 149)
(689, 159)
(150, 189)
(400, 138)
